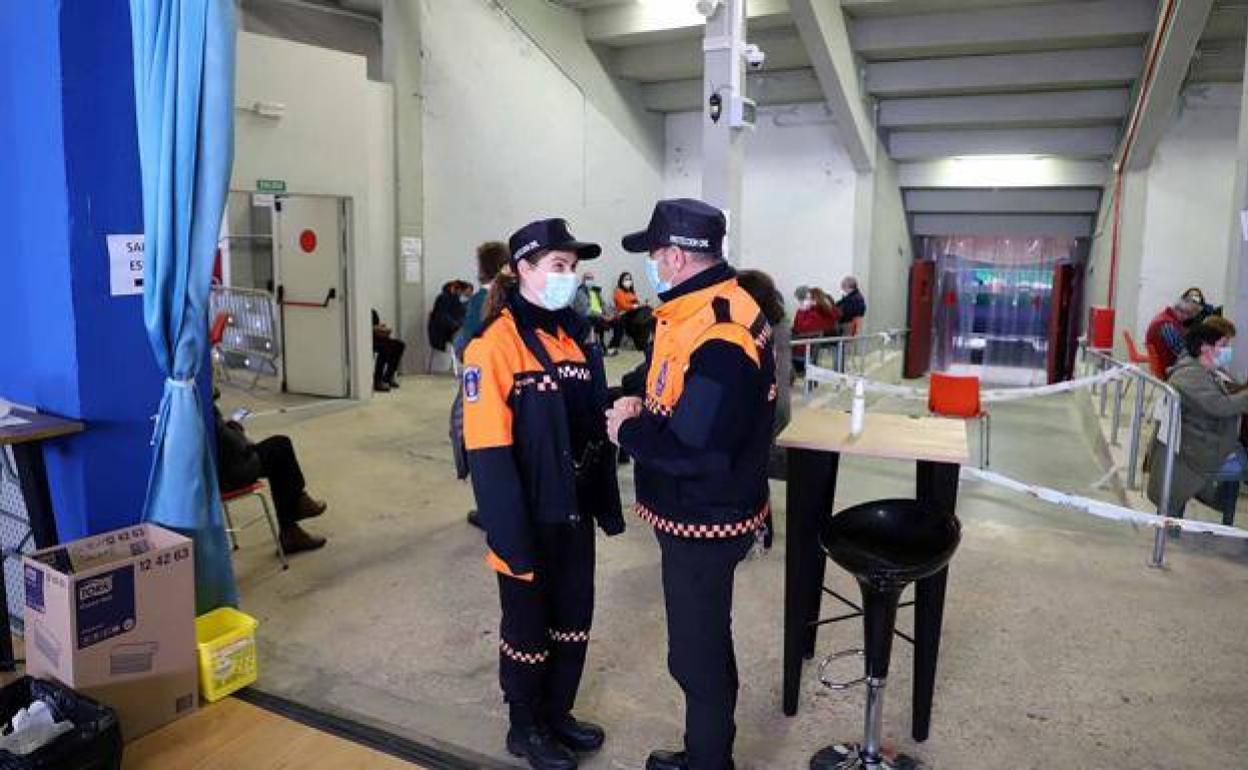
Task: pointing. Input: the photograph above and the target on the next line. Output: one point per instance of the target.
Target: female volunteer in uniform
(534, 394)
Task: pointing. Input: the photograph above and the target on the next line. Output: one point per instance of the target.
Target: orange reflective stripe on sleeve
(498, 565)
(486, 385)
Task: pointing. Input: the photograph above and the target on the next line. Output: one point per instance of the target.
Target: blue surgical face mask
(560, 290)
(652, 272)
(1225, 356)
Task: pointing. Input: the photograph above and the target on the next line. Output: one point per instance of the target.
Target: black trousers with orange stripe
(546, 623)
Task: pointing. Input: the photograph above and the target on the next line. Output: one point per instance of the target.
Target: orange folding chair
(958, 396)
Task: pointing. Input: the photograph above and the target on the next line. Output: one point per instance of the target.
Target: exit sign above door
(271, 185)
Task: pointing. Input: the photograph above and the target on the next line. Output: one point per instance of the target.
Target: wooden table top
(38, 427)
(891, 436)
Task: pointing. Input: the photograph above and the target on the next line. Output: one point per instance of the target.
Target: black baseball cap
(685, 222)
(549, 235)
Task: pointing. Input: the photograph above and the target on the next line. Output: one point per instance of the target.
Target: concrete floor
(1061, 649)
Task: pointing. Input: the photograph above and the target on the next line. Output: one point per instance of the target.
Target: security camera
(707, 7)
(754, 56)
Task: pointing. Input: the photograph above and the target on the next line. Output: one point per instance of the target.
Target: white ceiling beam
(636, 23)
(682, 59)
(766, 88)
(1052, 70)
(1002, 173)
(1091, 142)
(1173, 60)
(1054, 225)
(822, 28)
(1050, 108)
(1096, 24)
(1020, 201)
(872, 8)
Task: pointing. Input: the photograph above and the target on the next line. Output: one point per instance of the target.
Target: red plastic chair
(958, 396)
(252, 490)
(216, 335)
(1133, 353)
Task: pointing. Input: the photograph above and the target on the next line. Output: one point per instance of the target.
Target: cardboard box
(113, 616)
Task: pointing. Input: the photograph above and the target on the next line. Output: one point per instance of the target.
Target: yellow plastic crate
(226, 639)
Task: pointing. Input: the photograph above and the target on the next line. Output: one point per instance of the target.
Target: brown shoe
(296, 540)
(309, 508)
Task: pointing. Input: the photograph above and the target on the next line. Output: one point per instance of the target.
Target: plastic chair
(958, 396)
(1134, 355)
(252, 490)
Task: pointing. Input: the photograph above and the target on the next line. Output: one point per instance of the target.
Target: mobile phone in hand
(240, 415)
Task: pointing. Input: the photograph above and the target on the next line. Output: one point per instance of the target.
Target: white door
(310, 236)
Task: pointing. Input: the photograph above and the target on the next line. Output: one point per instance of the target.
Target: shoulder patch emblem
(472, 383)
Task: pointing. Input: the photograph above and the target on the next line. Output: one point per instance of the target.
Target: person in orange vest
(700, 440)
(543, 472)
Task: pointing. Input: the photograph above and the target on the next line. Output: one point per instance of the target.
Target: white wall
(798, 198)
(1188, 212)
(509, 137)
(1177, 214)
(335, 138)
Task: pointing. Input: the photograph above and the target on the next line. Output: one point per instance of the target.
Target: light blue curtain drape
(184, 101)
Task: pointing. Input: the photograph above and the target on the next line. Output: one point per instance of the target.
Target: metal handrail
(858, 350)
(1103, 360)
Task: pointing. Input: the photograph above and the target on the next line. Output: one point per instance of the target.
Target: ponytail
(496, 300)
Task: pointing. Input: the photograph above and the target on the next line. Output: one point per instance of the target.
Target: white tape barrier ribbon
(1101, 509)
(820, 374)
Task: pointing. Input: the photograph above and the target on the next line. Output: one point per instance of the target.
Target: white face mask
(806, 304)
(559, 290)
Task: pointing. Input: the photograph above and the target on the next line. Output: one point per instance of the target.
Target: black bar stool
(885, 545)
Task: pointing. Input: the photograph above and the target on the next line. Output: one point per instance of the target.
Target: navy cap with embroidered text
(548, 235)
(685, 222)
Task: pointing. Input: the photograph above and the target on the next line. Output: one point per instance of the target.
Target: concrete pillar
(401, 63)
(67, 345)
(1236, 274)
(723, 147)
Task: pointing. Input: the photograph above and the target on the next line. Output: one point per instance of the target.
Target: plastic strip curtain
(993, 301)
(184, 94)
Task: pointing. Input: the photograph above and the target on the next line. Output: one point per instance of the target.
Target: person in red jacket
(817, 316)
(1164, 338)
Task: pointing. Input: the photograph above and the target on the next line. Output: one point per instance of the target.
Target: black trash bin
(93, 744)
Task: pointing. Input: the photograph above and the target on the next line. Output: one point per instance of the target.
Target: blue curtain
(184, 102)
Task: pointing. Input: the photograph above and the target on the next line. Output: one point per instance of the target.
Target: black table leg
(938, 491)
(811, 491)
(33, 476)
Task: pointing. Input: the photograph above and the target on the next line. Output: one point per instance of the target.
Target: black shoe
(474, 518)
(381, 387)
(393, 382)
(581, 737)
(671, 760)
(667, 760)
(539, 749)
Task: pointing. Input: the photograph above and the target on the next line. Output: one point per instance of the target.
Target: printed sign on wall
(125, 264)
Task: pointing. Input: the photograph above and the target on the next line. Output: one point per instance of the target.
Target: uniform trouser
(389, 353)
(697, 587)
(280, 466)
(545, 626)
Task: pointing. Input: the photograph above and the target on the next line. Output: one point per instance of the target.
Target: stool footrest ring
(838, 686)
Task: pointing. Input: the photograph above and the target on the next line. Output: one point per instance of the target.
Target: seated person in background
(817, 316)
(240, 463)
(1209, 428)
(589, 304)
(1164, 337)
(636, 318)
(852, 305)
(448, 313)
(389, 351)
(1196, 296)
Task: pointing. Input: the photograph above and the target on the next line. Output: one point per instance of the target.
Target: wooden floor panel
(231, 734)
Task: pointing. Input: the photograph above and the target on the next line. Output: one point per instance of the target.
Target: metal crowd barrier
(249, 338)
(850, 355)
(1097, 360)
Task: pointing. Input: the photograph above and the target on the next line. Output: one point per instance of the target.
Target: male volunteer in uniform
(700, 440)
